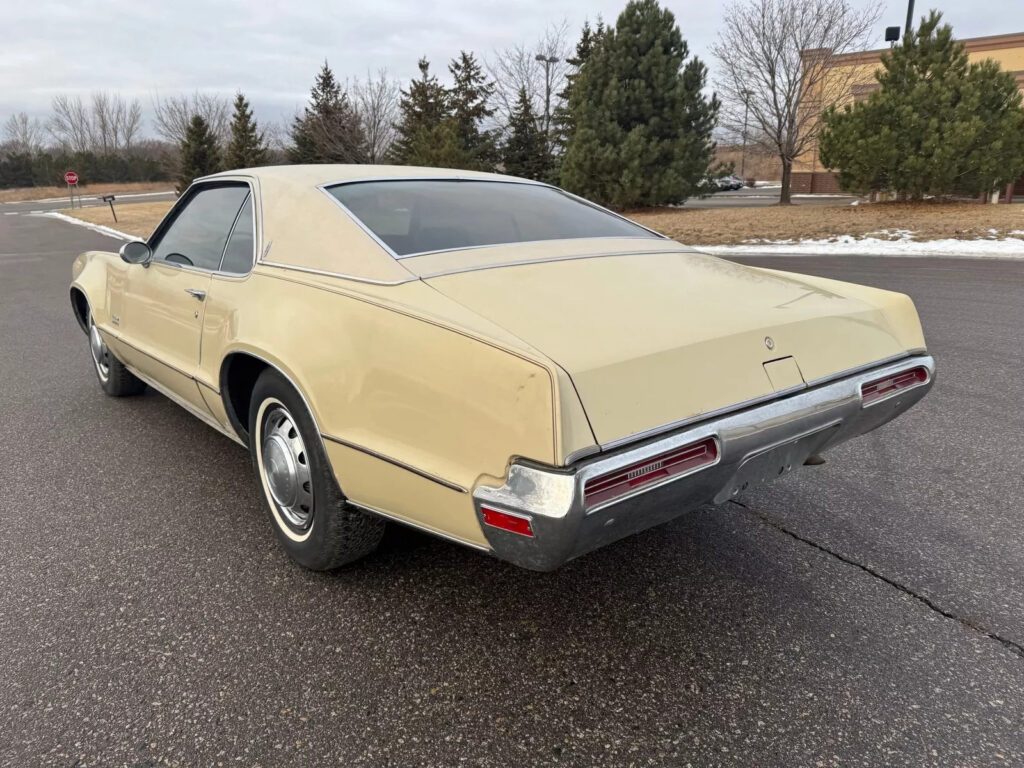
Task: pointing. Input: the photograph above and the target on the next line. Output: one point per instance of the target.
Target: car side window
(239, 252)
(197, 235)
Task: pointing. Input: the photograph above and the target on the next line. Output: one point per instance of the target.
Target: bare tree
(172, 115)
(107, 124)
(518, 68)
(376, 100)
(22, 134)
(70, 125)
(776, 70)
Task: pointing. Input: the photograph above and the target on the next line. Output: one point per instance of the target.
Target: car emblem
(768, 342)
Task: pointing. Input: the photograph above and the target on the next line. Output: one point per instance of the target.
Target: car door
(164, 301)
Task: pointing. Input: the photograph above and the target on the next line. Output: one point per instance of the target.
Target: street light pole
(743, 154)
(910, 17)
(547, 61)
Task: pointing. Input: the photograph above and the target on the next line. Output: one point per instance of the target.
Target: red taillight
(604, 488)
(875, 390)
(507, 522)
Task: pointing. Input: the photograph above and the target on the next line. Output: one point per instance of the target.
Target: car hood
(653, 338)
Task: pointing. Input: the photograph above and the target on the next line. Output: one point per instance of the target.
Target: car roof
(315, 175)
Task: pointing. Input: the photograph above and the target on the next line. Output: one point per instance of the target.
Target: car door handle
(196, 293)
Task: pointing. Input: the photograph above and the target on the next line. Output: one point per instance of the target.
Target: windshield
(422, 216)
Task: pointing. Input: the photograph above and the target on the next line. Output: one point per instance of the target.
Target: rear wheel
(313, 520)
(115, 379)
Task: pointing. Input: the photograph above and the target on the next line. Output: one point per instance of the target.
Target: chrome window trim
(326, 187)
(655, 431)
(256, 221)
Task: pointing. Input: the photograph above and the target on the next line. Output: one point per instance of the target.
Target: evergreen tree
(525, 152)
(468, 103)
(642, 126)
(424, 106)
(329, 129)
(247, 148)
(563, 124)
(199, 153)
(937, 125)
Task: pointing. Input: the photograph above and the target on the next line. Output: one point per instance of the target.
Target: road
(762, 196)
(866, 612)
(87, 201)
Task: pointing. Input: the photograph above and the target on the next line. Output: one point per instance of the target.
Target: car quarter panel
(413, 412)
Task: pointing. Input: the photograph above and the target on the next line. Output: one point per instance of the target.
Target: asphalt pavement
(863, 613)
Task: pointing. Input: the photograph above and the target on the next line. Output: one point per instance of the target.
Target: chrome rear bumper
(754, 445)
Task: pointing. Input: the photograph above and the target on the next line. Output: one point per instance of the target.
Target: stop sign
(71, 177)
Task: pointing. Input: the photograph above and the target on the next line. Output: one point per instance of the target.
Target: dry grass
(927, 221)
(731, 226)
(139, 219)
(21, 194)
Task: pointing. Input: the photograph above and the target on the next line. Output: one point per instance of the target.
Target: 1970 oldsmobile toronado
(486, 358)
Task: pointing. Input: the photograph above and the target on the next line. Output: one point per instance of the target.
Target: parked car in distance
(729, 183)
(486, 358)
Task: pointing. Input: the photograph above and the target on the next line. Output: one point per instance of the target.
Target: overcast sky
(270, 49)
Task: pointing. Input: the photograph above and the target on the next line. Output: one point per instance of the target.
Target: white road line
(10, 213)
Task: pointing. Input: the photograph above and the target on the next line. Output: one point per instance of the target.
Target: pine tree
(424, 106)
(199, 153)
(642, 125)
(468, 103)
(525, 152)
(329, 129)
(247, 148)
(937, 125)
(563, 124)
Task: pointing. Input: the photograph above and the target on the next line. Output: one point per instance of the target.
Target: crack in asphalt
(1010, 645)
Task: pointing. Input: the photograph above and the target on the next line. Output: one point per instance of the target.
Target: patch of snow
(846, 245)
(108, 231)
(767, 185)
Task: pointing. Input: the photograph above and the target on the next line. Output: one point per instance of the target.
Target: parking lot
(865, 612)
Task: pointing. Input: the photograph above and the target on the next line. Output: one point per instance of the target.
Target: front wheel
(313, 519)
(115, 379)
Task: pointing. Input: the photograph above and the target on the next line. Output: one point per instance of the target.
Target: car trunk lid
(654, 338)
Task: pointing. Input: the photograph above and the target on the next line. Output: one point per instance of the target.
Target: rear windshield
(413, 217)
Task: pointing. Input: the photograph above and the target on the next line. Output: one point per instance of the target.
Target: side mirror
(136, 252)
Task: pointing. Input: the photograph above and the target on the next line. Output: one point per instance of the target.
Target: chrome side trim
(153, 357)
(400, 464)
(326, 273)
(203, 417)
(418, 526)
(655, 431)
(526, 242)
(527, 262)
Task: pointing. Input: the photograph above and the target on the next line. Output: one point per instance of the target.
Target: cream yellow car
(486, 358)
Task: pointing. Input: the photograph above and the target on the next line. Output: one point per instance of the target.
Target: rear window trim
(326, 189)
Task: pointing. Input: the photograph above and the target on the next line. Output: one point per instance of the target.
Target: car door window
(240, 248)
(197, 235)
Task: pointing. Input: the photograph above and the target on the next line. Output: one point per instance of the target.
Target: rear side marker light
(680, 461)
(507, 522)
(880, 388)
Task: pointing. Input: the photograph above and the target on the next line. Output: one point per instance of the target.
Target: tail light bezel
(881, 389)
(649, 473)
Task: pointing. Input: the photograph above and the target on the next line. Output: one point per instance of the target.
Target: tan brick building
(857, 71)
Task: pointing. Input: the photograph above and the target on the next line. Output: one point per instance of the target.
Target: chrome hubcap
(286, 468)
(100, 353)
